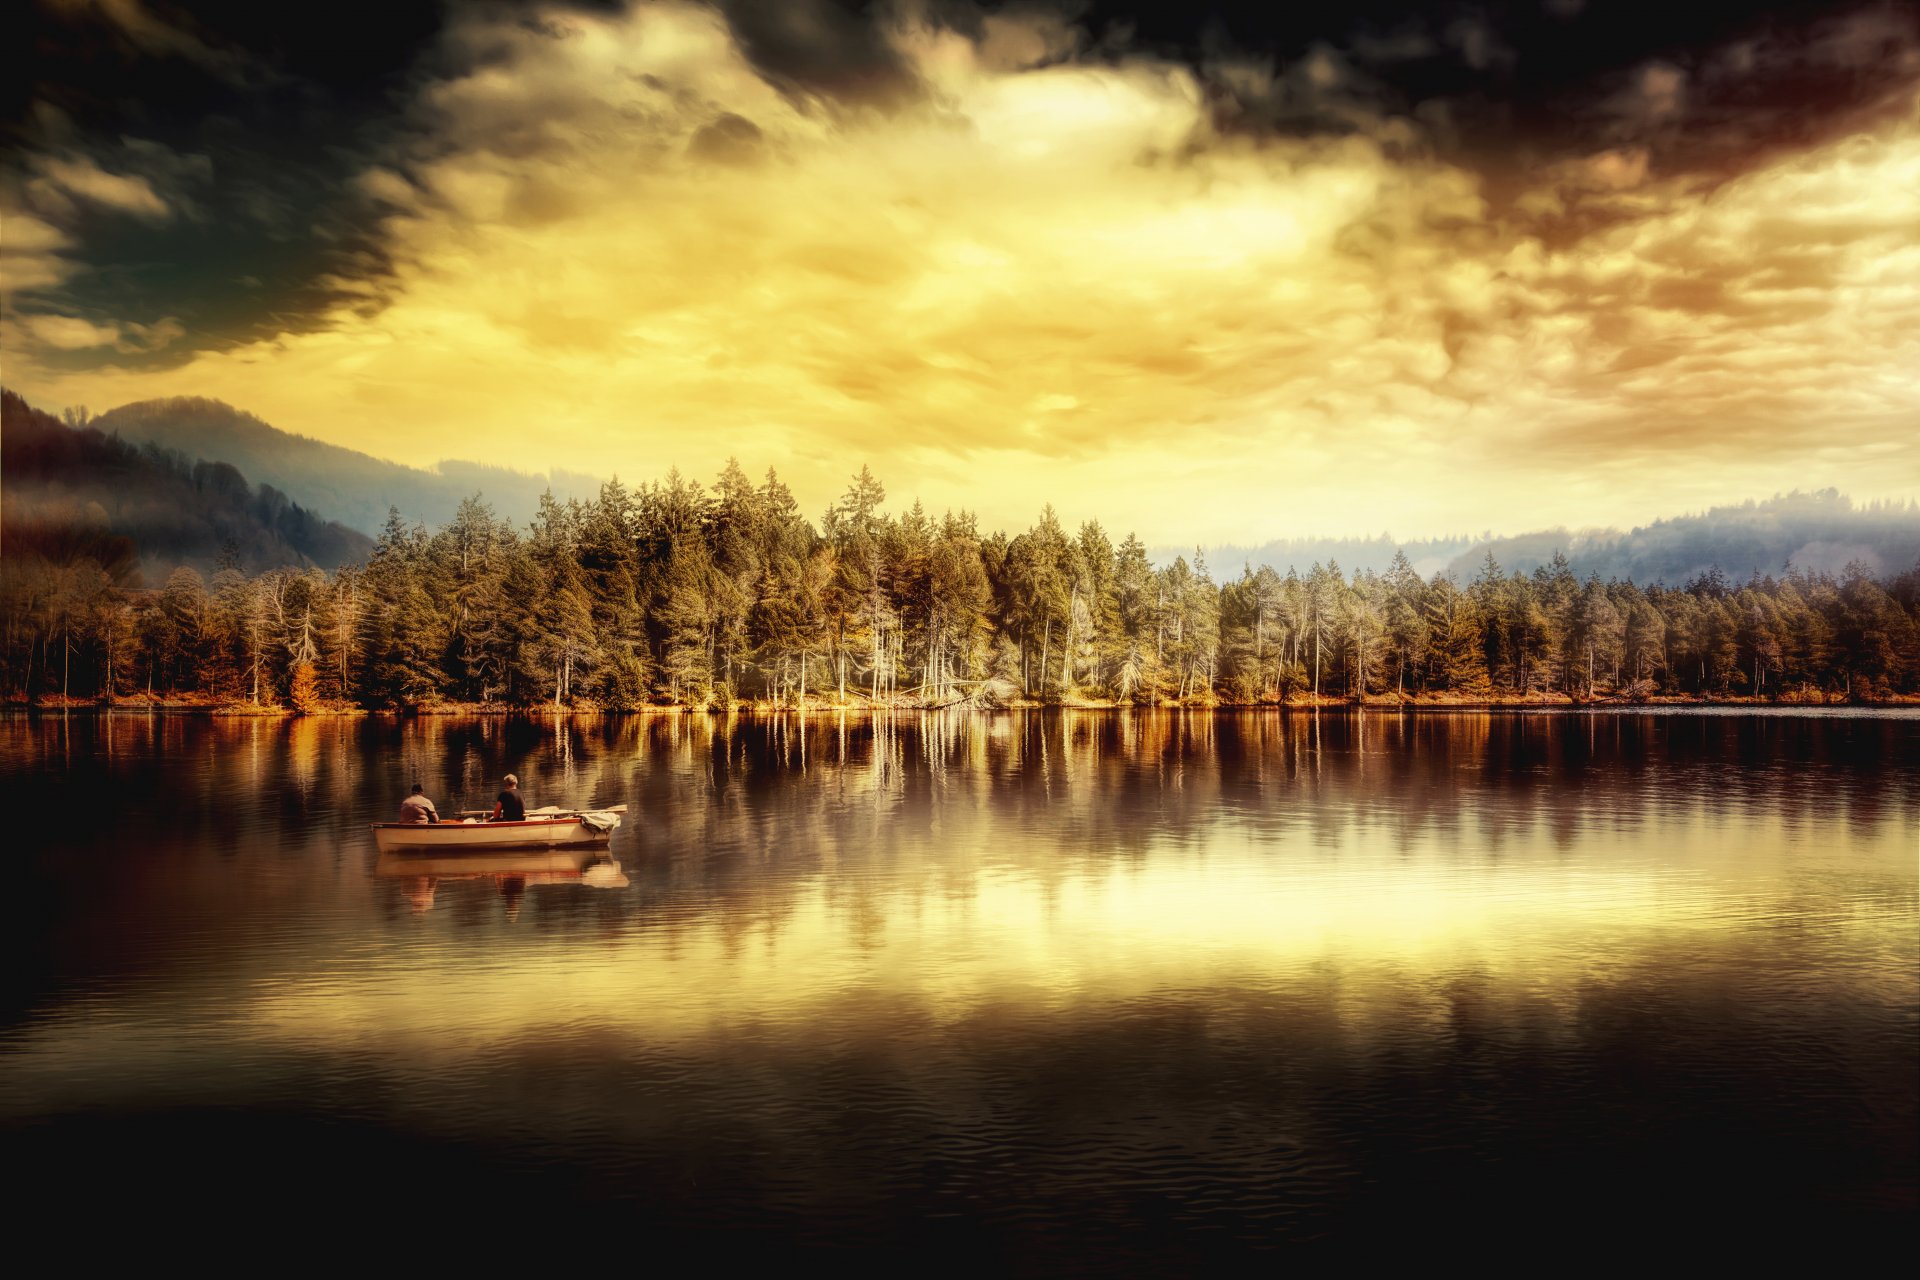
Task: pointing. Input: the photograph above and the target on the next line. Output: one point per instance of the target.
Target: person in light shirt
(416, 808)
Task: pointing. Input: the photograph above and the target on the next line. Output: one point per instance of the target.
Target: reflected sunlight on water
(1069, 979)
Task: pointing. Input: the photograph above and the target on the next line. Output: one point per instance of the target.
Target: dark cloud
(823, 50)
(1782, 89)
(1507, 88)
(731, 139)
(246, 123)
(179, 146)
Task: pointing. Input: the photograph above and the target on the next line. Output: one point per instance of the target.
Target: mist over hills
(1821, 532)
(1355, 555)
(354, 488)
(173, 476)
(74, 493)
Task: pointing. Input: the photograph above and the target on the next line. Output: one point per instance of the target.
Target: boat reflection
(512, 871)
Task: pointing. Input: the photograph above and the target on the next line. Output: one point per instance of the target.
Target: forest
(674, 593)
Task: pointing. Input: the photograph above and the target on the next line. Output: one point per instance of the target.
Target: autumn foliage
(676, 594)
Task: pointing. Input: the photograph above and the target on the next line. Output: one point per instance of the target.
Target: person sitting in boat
(416, 808)
(508, 806)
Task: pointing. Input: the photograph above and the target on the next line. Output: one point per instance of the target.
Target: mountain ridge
(1822, 531)
(76, 493)
(352, 487)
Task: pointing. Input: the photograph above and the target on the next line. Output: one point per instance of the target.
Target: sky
(1211, 274)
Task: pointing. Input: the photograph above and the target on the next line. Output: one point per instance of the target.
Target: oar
(548, 812)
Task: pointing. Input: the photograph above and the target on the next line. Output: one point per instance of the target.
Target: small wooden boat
(542, 829)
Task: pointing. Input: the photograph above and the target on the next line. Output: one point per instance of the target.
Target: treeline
(673, 593)
(74, 492)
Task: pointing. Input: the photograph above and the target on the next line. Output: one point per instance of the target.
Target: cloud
(1875, 36)
(156, 37)
(1479, 45)
(1658, 92)
(42, 217)
(820, 53)
(1402, 44)
(1776, 316)
(81, 178)
(71, 333)
(389, 187)
(1028, 272)
(1617, 170)
(66, 333)
(1773, 92)
(728, 139)
(169, 170)
(146, 338)
(33, 253)
(24, 233)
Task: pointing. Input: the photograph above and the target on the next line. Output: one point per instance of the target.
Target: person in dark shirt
(508, 806)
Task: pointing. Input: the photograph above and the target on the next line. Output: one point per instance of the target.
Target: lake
(1055, 992)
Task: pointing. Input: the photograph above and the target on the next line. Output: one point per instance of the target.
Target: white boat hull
(465, 837)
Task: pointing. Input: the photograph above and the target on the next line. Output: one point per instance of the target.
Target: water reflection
(511, 871)
(1082, 982)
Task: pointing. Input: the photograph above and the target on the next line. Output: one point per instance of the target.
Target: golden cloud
(81, 178)
(615, 245)
(71, 333)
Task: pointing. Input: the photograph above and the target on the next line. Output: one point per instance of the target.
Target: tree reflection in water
(1050, 990)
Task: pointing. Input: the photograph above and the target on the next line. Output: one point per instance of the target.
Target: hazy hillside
(1355, 555)
(1819, 531)
(72, 492)
(354, 488)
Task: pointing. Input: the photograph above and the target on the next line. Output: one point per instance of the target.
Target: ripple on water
(1059, 991)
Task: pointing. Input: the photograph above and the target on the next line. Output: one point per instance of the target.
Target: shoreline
(1376, 702)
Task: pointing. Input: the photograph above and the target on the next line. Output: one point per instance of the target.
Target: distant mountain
(1822, 531)
(73, 492)
(1354, 555)
(352, 487)
(1818, 531)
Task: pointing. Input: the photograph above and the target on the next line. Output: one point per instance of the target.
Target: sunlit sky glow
(1220, 295)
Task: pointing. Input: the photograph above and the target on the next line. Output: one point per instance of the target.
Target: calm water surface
(1056, 992)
